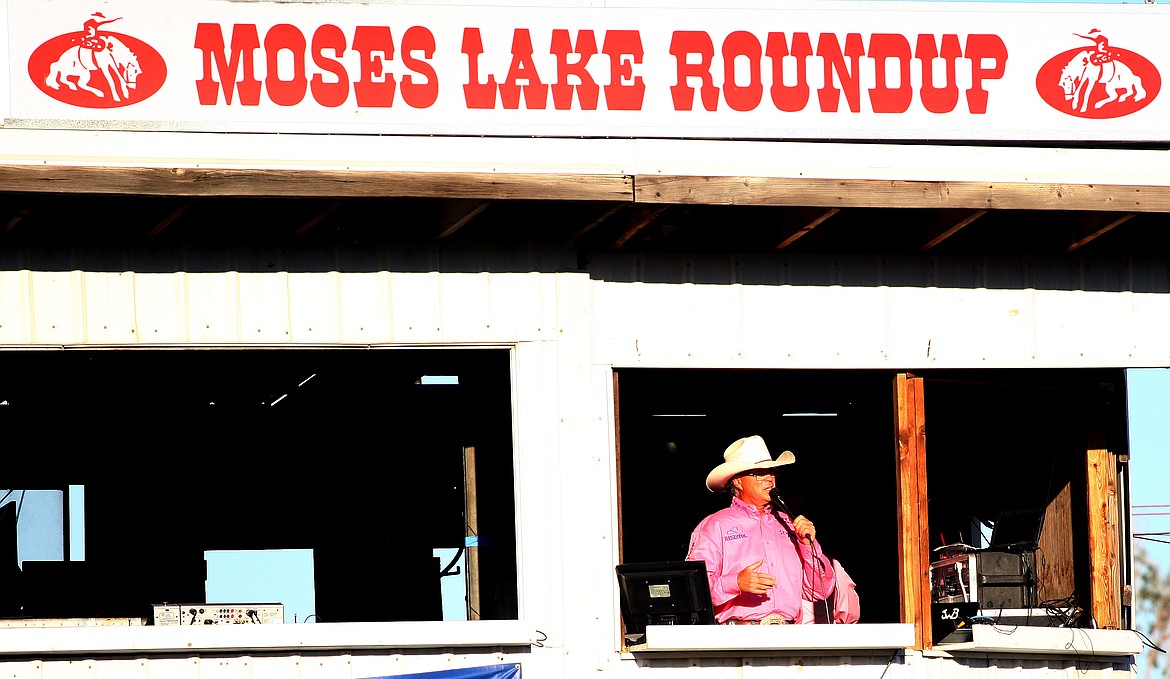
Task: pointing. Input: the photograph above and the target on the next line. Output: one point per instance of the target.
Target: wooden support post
(1105, 576)
(472, 533)
(913, 526)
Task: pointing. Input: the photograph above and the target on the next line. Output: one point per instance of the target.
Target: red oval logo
(1087, 83)
(110, 71)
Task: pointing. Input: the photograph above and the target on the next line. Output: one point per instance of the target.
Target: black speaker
(1007, 579)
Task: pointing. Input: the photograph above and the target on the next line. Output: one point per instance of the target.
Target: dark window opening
(348, 453)
(999, 443)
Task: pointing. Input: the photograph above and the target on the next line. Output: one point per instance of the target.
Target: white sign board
(843, 71)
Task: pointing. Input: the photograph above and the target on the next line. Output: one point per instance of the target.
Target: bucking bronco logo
(1099, 81)
(94, 68)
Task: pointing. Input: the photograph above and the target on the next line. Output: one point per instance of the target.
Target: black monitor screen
(1017, 528)
(664, 593)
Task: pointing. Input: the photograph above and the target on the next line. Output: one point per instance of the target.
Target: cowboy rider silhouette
(91, 39)
(1103, 53)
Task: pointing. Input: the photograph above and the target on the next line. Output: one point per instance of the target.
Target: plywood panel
(1054, 558)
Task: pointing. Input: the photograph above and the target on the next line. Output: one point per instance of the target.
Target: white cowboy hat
(744, 455)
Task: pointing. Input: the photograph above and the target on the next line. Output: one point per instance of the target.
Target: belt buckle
(773, 619)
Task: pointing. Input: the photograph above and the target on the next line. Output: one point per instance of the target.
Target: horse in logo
(113, 60)
(1099, 65)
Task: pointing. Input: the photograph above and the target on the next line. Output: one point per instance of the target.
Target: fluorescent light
(679, 415)
(808, 414)
(439, 379)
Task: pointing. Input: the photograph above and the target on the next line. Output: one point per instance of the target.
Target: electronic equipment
(218, 614)
(953, 578)
(664, 593)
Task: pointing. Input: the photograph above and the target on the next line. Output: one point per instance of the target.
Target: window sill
(1047, 640)
(738, 638)
(41, 641)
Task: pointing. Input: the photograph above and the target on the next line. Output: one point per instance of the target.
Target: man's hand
(755, 583)
(805, 529)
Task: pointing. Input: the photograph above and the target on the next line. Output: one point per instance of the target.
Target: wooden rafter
(802, 231)
(1093, 234)
(170, 219)
(599, 221)
(316, 219)
(645, 216)
(945, 232)
(457, 213)
(22, 215)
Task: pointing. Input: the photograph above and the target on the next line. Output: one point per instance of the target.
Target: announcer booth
(384, 338)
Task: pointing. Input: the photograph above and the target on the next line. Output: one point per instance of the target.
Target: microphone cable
(779, 504)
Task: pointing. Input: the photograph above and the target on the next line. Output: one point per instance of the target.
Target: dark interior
(337, 451)
(996, 441)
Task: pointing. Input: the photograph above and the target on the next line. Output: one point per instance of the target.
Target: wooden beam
(170, 219)
(457, 213)
(1093, 234)
(804, 191)
(913, 527)
(1104, 576)
(951, 230)
(155, 181)
(316, 219)
(817, 221)
(644, 218)
(650, 189)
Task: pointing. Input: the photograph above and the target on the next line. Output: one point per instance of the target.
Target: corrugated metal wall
(569, 330)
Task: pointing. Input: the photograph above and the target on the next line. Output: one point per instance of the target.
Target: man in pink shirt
(764, 566)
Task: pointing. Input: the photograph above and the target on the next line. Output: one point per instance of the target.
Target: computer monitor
(664, 593)
(1017, 530)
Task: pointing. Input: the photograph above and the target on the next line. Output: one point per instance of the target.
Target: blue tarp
(482, 672)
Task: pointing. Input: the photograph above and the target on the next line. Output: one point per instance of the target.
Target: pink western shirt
(734, 538)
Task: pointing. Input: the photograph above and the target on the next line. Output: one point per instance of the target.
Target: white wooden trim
(741, 638)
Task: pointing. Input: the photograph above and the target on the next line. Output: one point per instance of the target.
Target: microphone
(779, 503)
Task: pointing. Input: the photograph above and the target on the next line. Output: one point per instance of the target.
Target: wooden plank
(1055, 573)
(913, 547)
(153, 181)
(801, 191)
(782, 191)
(1104, 577)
